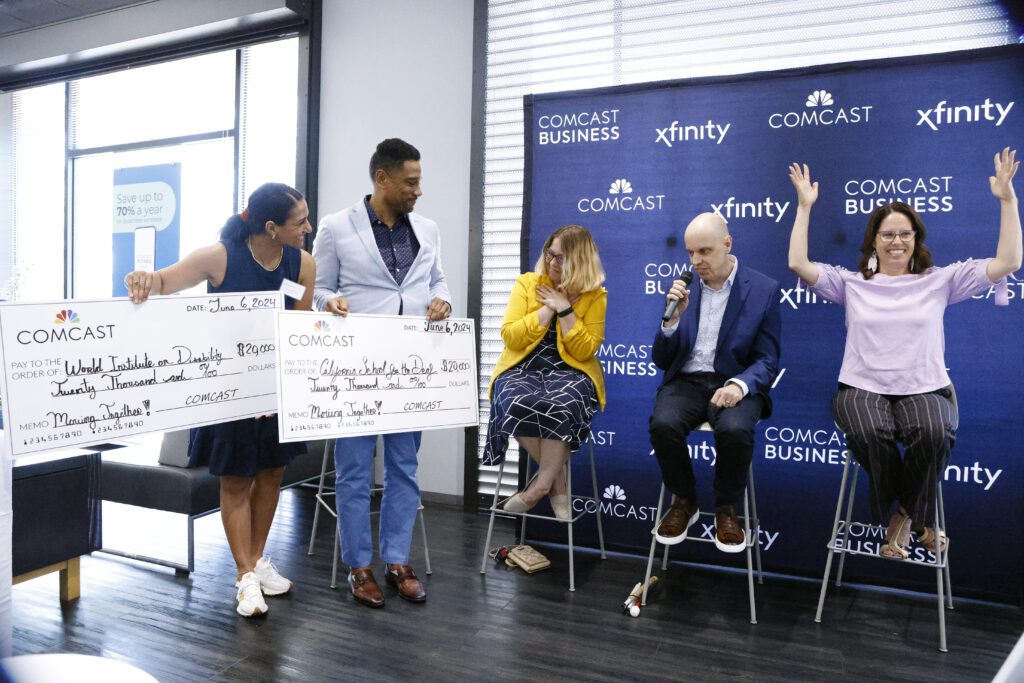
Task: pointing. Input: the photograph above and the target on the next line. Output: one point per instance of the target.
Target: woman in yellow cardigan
(548, 384)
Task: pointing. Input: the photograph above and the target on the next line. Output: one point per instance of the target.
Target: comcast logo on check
(614, 492)
(322, 326)
(620, 186)
(67, 317)
(819, 98)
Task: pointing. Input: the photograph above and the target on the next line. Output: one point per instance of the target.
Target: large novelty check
(84, 372)
(373, 374)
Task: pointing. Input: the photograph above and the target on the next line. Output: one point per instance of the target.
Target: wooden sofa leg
(71, 580)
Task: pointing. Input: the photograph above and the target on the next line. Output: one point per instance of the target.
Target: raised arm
(205, 263)
(807, 194)
(1008, 250)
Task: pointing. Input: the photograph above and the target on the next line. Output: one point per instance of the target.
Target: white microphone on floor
(670, 309)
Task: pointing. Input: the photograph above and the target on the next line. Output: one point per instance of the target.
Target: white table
(60, 668)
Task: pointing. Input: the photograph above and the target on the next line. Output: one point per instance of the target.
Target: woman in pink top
(893, 384)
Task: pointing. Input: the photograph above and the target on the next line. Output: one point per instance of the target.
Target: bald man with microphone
(719, 348)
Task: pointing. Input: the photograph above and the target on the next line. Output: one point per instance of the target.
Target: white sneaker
(271, 582)
(250, 597)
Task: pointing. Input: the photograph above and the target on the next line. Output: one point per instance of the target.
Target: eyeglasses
(557, 258)
(904, 235)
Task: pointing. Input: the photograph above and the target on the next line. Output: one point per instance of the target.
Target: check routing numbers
(368, 374)
(78, 373)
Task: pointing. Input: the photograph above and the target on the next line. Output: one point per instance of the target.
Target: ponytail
(268, 202)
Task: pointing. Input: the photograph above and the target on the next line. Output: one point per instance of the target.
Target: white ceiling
(23, 15)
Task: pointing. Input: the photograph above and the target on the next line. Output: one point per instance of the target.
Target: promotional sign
(373, 374)
(77, 373)
(647, 158)
(147, 200)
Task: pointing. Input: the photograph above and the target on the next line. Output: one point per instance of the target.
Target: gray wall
(6, 189)
(403, 68)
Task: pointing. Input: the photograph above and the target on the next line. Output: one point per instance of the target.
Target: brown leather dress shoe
(402, 577)
(729, 535)
(364, 587)
(681, 516)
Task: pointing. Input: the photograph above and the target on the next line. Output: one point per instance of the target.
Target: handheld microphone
(670, 309)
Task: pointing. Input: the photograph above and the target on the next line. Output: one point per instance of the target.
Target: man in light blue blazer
(378, 257)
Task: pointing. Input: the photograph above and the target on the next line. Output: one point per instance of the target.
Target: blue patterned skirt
(550, 403)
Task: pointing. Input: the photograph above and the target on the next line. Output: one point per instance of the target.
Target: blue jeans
(353, 464)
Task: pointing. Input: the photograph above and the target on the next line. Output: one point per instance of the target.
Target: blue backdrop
(634, 164)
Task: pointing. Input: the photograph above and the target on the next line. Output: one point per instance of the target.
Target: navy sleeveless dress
(241, 448)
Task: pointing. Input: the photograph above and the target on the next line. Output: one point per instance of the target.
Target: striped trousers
(925, 423)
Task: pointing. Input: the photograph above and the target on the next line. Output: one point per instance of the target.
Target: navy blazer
(748, 341)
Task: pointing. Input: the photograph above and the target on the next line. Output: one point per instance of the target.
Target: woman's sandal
(897, 543)
(926, 537)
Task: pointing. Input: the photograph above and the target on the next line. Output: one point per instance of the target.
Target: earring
(911, 264)
(873, 262)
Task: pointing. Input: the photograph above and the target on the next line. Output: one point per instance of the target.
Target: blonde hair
(581, 270)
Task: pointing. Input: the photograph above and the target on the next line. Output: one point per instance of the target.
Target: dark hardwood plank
(505, 626)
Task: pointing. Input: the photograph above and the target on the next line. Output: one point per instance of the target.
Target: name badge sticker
(293, 289)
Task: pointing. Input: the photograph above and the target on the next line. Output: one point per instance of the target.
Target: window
(228, 119)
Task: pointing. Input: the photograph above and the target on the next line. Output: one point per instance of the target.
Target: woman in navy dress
(258, 249)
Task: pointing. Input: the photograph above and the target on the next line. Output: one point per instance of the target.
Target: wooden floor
(505, 626)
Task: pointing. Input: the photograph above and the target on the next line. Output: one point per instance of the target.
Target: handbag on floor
(527, 559)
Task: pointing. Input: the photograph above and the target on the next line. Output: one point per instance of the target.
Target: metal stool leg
(846, 525)
(490, 524)
(319, 492)
(941, 513)
(597, 502)
(941, 567)
(334, 561)
(654, 544)
(664, 560)
(568, 486)
(426, 548)
(832, 542)
(750, 564)
(940, 579)
(522, 520)
(757, 523)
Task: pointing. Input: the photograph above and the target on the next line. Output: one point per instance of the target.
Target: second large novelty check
(370, 374)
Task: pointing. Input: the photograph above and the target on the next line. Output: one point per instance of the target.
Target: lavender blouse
(894, 333)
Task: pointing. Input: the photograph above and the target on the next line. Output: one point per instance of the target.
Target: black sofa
(159, 478)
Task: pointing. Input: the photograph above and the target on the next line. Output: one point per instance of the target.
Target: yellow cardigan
(522, 331)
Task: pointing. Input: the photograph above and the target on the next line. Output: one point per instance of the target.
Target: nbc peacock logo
(67, 317)
(614, 492)
(322, 326)
(620, 186)
(819, 98)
